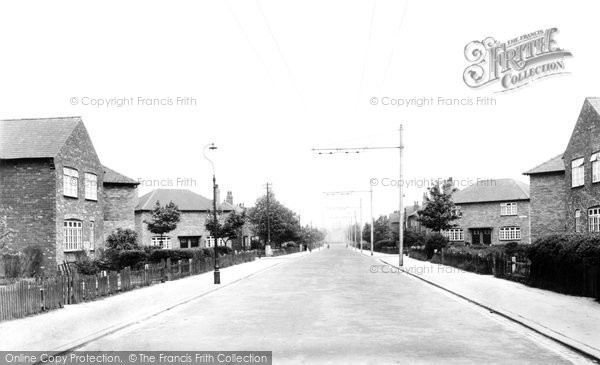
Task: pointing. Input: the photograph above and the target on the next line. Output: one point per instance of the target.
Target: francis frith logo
(514, 63)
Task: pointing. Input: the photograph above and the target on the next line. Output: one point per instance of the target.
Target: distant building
(54, 191)
(566, 189)
(190, 232)
(493, 212)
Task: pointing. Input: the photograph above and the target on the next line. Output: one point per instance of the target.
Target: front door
(482, 236)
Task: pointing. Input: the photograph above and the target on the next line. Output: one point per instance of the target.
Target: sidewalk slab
(73, 325)
(574, 321)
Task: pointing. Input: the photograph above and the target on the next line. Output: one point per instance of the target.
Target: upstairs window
(70, 182)
(91, 186)
(595, 159)
(508, 209)
(577, 172)
(594, 219)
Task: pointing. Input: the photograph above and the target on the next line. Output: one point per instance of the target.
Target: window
(162, 242)
(510, 233)
(454, 234)
(92, 236)
(245, 241)
(70, 182)
(210, 241)
(577, 172)
(578, 220)
(91, 186)
(595, 167)
(72, 236)
(189, 242)
(508, 209)
(594, 219)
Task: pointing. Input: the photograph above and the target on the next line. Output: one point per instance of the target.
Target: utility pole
(357, 150)
(361, 226)
(268, 218)
(372, 220)
(401, 203)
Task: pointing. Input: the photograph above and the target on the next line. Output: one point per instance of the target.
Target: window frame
(578, 170)
(70, 189)
(72, 235)
(594, 219)
(93, 193)
(595, 161)
(164, 242)
(512, 233)
(455, 234)
(507, 208)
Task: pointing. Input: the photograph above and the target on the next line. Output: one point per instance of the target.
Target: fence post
(168, 268)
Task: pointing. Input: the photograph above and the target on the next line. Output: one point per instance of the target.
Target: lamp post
(217, 273)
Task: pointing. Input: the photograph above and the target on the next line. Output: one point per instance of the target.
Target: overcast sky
(273, 79)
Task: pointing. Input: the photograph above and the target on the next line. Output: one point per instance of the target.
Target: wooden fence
(30, 296)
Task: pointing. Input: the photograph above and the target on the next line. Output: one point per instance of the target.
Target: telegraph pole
(401, 203)
(372, 220)
(268, 223)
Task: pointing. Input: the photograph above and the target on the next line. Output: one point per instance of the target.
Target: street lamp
(217, 273)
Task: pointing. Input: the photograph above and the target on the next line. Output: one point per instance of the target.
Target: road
(328, 307)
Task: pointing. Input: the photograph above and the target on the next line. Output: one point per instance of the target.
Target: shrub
(132, 258)
(87, 266)
(122, 239)
(434, 241)
(412, 239)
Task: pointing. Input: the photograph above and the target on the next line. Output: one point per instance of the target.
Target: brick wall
(584, 141)
(78, 152)
(119, 204)
(27, 193)
(487, 215)
(547, 204)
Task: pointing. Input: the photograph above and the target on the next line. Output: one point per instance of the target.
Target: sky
(267, 81)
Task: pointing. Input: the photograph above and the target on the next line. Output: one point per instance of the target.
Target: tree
(284, 224)
(229, 228)
(122, 240)
(310, 235)
(164, 219)
(439, 211)
(5, 233)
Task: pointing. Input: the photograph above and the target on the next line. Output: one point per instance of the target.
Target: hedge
(567, 263)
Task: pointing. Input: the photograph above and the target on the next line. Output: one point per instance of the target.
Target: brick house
(566, 189)
(548, 196)
(493, 212)
(190, 232)
(52, 188)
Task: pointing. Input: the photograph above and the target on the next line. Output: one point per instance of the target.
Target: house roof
(491, 191)
(186, 200)
(35, 138)
(555, 164)
(113, 177)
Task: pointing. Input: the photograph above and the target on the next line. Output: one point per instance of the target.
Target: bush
(122, 239)
(414, 239)
(87, 266)
(26, 263)
(566, 263)
(177, 254)
(434, 242)
(379, 245)
(132, 258)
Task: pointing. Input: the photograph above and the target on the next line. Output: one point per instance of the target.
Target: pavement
(574, 321)
(329, 307)
(74, 325)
